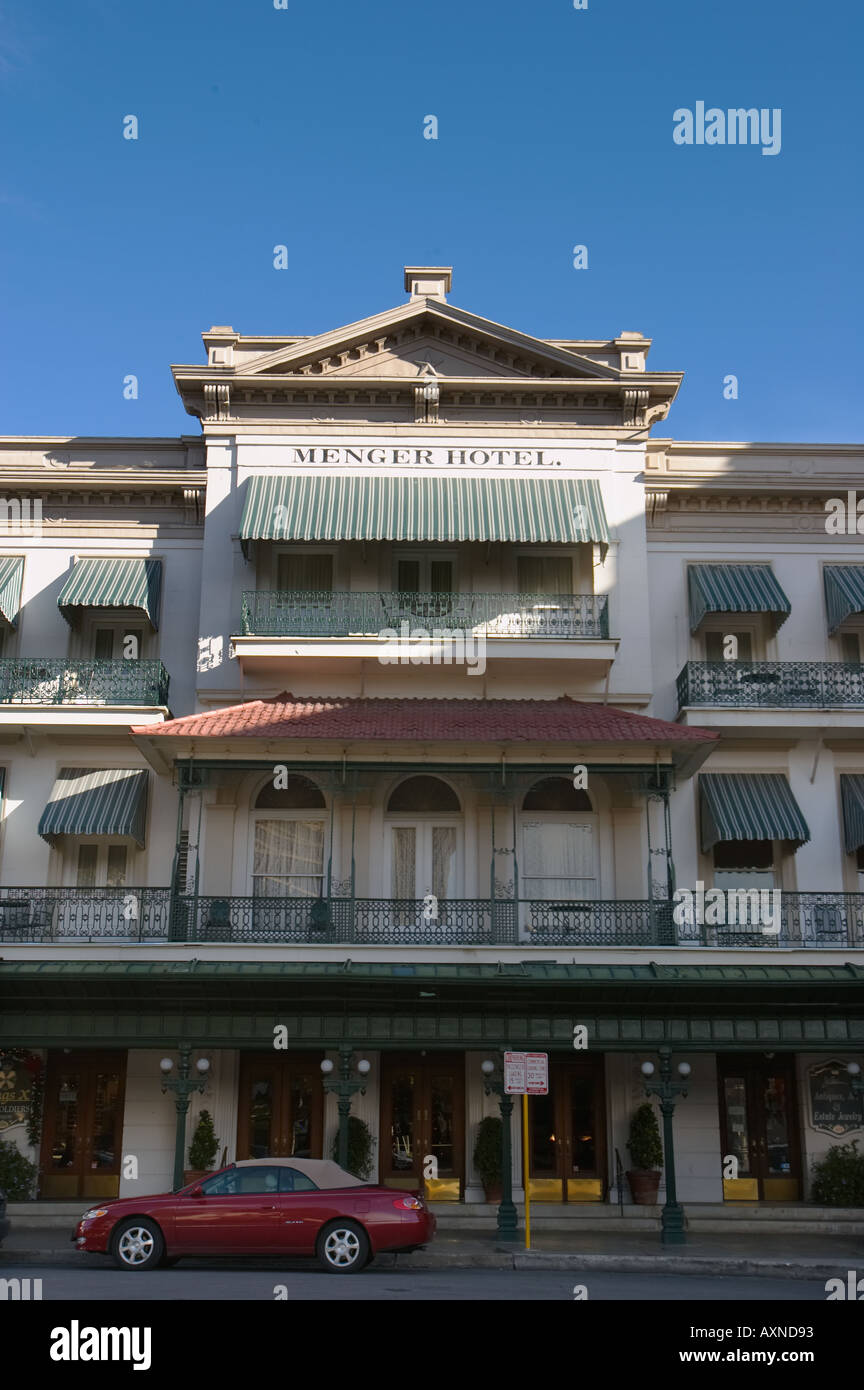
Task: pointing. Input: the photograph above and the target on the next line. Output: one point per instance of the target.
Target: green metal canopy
(844, 593)
(96, 801)
(852, 796)
(118, 583)
(735, 589)
(563, 511)
(749, 806)
(11, 574)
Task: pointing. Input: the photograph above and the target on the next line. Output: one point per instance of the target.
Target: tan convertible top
(322, 1171)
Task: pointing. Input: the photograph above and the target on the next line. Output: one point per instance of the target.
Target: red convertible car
(261, 1206)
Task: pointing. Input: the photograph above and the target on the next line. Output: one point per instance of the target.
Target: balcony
(327, 626)
(60, 681)
(789, 684)
(273, 613)
(810, 921)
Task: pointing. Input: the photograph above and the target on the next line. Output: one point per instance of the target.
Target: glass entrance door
(280, 1114)
(758, 1129)
(81, 1144)
(567, 1134)
(423, 1118)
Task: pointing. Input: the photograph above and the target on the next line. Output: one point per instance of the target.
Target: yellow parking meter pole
(526, 1179)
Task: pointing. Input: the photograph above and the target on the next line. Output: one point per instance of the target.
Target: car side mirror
(197, 1191)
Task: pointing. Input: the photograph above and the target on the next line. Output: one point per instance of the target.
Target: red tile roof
(499, 721)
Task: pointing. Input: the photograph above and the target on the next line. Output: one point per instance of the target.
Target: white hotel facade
(227, 809)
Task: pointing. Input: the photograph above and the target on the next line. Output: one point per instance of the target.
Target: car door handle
(270, 1208)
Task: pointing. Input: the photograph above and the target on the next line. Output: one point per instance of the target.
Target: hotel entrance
(83, 1129)
(423, 1118)
(758, 1128)
(281, 1107)
(568, 1134)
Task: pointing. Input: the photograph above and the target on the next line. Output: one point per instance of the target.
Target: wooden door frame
(563, 1186)
(89, 1061)
(283, 1064)
(750, 1064)
(413, 1061)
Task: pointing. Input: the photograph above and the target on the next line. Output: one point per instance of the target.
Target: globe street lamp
(672, 1221)
(183, 1085)
(343, 1087)
(493, 1083)
(856, 1081)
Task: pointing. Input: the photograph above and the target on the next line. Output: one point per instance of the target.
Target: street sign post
(526, 1074)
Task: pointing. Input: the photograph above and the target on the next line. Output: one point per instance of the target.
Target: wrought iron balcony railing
(821, 920)
(65, 681)
(749, 684)
(322, 613)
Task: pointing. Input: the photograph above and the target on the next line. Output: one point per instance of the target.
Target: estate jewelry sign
(834, 1107)
(16, 1092)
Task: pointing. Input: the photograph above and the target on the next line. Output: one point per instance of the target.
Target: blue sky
(304, 127)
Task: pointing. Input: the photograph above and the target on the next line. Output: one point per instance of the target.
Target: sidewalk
(777, 1256)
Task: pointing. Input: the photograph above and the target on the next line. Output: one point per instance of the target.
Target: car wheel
(138, 1244)
(168, 1262)
(343, 1248)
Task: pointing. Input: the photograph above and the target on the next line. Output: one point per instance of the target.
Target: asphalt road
(309, 1284)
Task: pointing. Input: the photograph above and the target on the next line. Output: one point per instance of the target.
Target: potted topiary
(646, 1151)
(17, 1173)
(202, 1150)
(838, 1177)
(487, 1157)
(360, 1143)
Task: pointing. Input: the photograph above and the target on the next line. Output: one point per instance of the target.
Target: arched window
(423, 795)
(299, 794)
(288, 840)
(424, 840)
(556, 794)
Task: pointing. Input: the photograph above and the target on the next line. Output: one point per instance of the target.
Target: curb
(708, 1266)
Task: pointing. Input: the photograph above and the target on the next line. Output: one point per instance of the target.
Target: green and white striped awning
(844, 593)
(852, 796)
(96, 801)
(749, 806)
(735, 589)
(11, 574)
(113, 584)
(562, 511)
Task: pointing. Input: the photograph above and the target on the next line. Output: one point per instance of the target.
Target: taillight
(408, 1204)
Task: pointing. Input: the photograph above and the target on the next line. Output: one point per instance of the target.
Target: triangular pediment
(401, 341)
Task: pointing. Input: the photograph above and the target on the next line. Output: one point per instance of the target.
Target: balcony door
(758, 1128)
(83, 1129)
(559, 861)
(424, 842)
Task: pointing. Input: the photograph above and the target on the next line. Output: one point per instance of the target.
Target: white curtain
(559, 861)
(289, 858)
(404, 875)
(443, 860)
